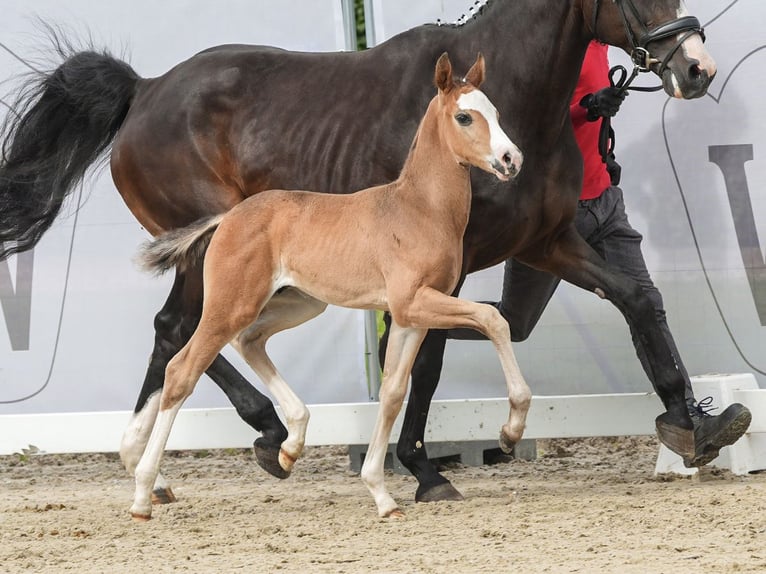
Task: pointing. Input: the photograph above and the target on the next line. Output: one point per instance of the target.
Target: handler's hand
(603, 104)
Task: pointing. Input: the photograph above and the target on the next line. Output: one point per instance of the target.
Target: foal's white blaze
(694, 48)
(499, 142)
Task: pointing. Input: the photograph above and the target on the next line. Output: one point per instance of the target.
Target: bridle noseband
(640, 55)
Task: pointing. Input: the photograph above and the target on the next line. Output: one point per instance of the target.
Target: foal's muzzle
(508, 165)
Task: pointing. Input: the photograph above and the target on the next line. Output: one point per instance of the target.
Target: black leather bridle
(640, 54)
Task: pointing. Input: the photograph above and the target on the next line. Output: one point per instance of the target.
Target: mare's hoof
(267, 457)
(395, 513)
(163, 496)
(139, 517)
(439, 493)
(678, 439)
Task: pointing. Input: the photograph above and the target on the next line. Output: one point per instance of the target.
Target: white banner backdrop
(76, 326)
(76, 329)
(696, 224)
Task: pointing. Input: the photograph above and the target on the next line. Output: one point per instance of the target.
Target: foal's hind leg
(181, 376)
(285, 310)
(173, 326)
(166, 324)
(254, 408)
(133, 445)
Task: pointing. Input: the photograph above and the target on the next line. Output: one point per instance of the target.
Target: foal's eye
(463, 119)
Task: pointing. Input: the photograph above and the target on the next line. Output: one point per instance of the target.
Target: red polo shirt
(593, 76)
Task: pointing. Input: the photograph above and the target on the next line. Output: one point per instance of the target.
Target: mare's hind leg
(289, 308)
(402, 347)
(166, 325)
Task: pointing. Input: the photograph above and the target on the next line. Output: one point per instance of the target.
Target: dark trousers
(604, 225)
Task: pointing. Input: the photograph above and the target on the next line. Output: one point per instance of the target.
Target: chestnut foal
(279, 257)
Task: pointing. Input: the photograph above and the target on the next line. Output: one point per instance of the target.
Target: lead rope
(606, 138)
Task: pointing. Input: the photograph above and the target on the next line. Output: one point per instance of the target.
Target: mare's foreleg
(572, 259)
(402, 347)
(411, 447)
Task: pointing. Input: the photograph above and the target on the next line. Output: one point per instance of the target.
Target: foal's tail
(60, 124)
(180, 248)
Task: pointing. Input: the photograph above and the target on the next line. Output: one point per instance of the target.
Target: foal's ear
(443, 73)
(475, 75)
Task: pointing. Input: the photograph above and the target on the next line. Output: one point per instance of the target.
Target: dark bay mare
(235, 120)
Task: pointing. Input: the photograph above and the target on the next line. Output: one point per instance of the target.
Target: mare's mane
(474, 12)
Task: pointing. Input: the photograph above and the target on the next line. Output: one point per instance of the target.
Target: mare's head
(661, 36)
(470, 123)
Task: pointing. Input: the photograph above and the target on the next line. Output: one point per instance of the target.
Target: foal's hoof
(506, 444)
(676, 438)
(439, 493)
(267, 457)
(395, 513)
(140, 517)
(163, 496)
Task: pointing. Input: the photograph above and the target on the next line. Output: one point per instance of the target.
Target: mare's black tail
(62, 122)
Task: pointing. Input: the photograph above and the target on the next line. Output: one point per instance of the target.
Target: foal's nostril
(512, 168)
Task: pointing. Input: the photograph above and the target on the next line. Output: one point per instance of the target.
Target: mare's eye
(463, 119)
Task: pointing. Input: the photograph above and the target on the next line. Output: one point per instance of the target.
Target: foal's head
(470, 122)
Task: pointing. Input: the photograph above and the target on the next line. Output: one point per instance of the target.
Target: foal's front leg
(403, 345)
(437, 310)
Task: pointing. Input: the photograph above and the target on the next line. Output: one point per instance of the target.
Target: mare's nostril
(695, 72)
(507, 159)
